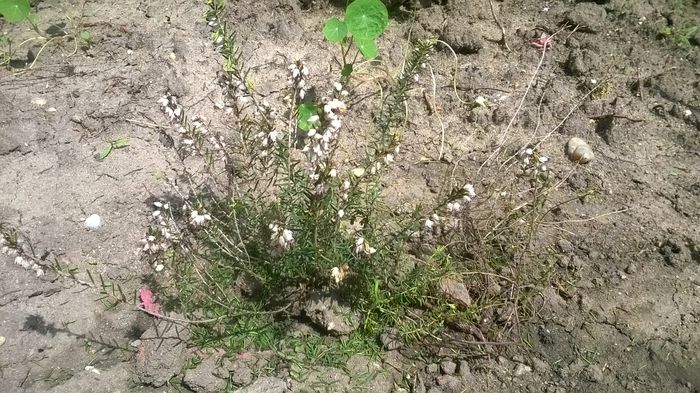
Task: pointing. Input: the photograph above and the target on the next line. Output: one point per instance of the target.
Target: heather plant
(288, 214)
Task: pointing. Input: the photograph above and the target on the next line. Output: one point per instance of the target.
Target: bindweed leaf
(335, 30)
(368, 48)
(14, 10)
(366, 19)
(304, 112)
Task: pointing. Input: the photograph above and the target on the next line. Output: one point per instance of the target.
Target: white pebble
(93, 222)
(92, 369)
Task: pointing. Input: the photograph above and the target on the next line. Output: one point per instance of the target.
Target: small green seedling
(680, 35)
(365, 20)
(86, 36)
(119, 143)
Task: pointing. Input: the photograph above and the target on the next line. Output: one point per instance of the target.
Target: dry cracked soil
(627, 319)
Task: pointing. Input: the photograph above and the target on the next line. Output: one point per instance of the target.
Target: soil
(625, 315)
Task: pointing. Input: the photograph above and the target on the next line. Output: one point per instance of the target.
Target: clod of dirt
(461, 37)
(565, 246)
(449, 383)
(580, 62)
(390, 340)
(360, 366)
(448, 367)
(162, 354)
(521, 369)
(320, 376)
(237, 371)
(326, 312)
(456, 291)
(201, 379)
(589, 17)
(265, 385)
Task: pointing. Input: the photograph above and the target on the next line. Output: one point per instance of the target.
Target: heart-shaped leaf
(368, 48)
(366, 19)
(14, 10)
(304, 112)
(335, 30)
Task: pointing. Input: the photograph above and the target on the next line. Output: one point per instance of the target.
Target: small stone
(456, 291)
(135, 343)
(93, 222)
(521, 369)
(2, 340)
(448, 367)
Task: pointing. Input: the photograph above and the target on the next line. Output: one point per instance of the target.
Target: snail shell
(578, 151)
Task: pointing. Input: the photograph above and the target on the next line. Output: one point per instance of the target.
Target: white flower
(470, 193)
(335, 275)
(362, 247)
(346, 185)
(481, 101)
(454, 207)
(197, 219)
(333, 173)
(388, 159)
(358, 172)
(341, 213)
(429, 223)
(281, 237)
(338, 86)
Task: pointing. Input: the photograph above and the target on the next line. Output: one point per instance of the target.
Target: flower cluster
(430, 222)
(532, 163)
(21, 260)
(171, 108)
(363, 248)
(338, 274)
(468, 194)
(298, 78)
(158, 239)
(268, 141)
(281, 237)
(322, 138)
(199, 219)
